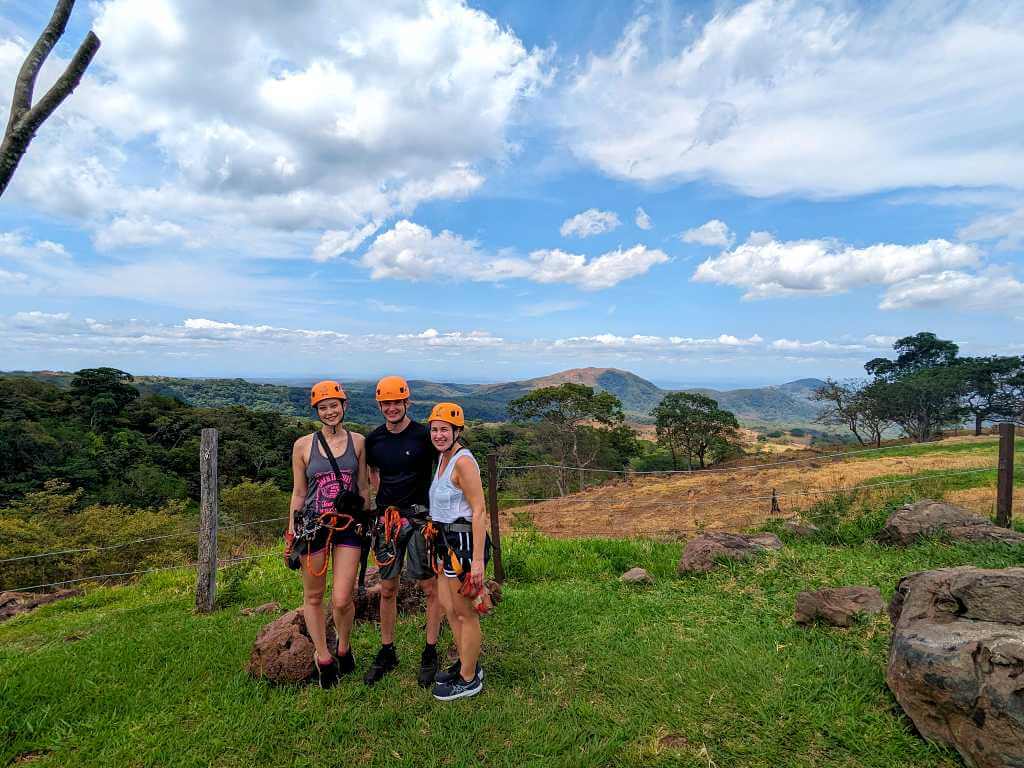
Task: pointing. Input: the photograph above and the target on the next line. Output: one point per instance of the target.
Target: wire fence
(608, 503)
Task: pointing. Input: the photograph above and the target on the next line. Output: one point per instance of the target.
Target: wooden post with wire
(492, 503)
(206, 572)
(1004, 486)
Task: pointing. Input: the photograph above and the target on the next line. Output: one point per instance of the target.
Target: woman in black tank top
(314, 487)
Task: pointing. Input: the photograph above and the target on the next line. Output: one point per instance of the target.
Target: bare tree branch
(25, 119)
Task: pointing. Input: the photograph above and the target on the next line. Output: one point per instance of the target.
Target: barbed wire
(710, 470)
(719, 500)
(135, 541)
(220, 564)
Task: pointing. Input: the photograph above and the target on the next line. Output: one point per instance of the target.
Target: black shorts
(318, 542)
(410, 551)
(457, 543)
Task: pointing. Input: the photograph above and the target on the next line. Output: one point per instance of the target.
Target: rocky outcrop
(838, 606)
(636, 576)
(956, 660)
(13, 603)
(928, 518)
(701, 553)
(283, 651)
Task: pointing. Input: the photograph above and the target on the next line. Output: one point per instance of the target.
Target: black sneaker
(346, 663)
(447, 675)
(385, 661)
(458, 688)
(327, 674)
(428, 666)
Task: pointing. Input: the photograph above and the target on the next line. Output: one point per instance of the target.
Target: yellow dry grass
(677, 505)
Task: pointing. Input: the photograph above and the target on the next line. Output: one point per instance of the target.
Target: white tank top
(447, 502)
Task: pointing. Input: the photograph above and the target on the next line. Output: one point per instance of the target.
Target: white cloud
(410, 251)
(335, 242)
(768, 267)
(545, 308)
(794, 345)
(643, 220)
(712, 232)
(1006, 228)
(796, 96)
(590, 222)
(235, 123)
(124, 232)
(994, 290)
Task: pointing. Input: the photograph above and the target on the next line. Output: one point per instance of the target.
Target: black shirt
(405, 463)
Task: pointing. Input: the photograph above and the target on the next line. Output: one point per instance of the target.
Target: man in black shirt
(400, 458)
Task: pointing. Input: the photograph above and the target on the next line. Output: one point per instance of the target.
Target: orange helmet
(325, 390)
(449, 412)
(392, 388)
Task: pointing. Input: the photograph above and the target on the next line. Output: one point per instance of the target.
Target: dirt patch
(680, 505)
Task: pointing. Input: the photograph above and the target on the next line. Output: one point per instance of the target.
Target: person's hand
(476, 573)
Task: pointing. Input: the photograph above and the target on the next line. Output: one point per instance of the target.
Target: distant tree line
(926, 388)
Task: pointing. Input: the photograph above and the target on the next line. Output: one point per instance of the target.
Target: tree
(921, 390)
(993, 387)
(562, 412)
(26, 119)
(854, 406)
(102, 393)
(691, 423)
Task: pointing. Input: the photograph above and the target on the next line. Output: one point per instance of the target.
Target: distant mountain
(786, 403)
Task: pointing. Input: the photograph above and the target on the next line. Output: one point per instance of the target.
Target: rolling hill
(787, 403)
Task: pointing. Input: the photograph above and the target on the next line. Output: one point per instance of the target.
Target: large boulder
(283, 651)
(837, 606)
(956, 660)
(701, 552)
(927, 518)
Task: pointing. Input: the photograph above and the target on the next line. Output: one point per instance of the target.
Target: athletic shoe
(428, 666)
(458, 688)
(327, 674)
(385, 661)
(447, 675)
(346, 663)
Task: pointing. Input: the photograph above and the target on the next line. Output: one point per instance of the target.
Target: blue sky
(702, 193)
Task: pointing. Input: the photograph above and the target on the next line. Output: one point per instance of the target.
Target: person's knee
(429, 587)
(314, 597)
(389, 589)
(341, 600)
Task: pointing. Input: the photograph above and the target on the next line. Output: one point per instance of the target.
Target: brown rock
(410, 598)
(927, 518)
(700, 553)
(800, 528)
(636, 576)
(956, 660)
(266, 608)
(283, 651)
(837, 605)
(13, 603)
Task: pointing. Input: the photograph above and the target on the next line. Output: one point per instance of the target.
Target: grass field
(667, 506)
(581, 670)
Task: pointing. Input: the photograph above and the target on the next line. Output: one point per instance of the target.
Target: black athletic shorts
(459, 543)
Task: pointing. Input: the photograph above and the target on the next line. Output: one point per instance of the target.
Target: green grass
(581, 671)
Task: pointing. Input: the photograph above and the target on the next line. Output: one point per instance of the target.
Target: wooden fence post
(206, 576)
(1004, 487)
(492, 502)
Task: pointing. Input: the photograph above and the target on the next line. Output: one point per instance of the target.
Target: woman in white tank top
(462, 546)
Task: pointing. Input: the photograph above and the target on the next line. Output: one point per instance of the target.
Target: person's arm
(362, 480)
(298, 482)
(466, 477)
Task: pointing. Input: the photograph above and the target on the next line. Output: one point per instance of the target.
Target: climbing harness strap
(333, 520)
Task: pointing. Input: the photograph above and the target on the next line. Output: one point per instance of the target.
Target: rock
(13, 603)
(636, 576)
(837, 605)
(956, 660)
(283, 652)
(800, 528)
(266, 608)
(927, 518)
(700, 553)
(410, 598)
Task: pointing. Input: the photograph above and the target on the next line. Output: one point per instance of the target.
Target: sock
(430, 647)
(388, 646)
(330, 660)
